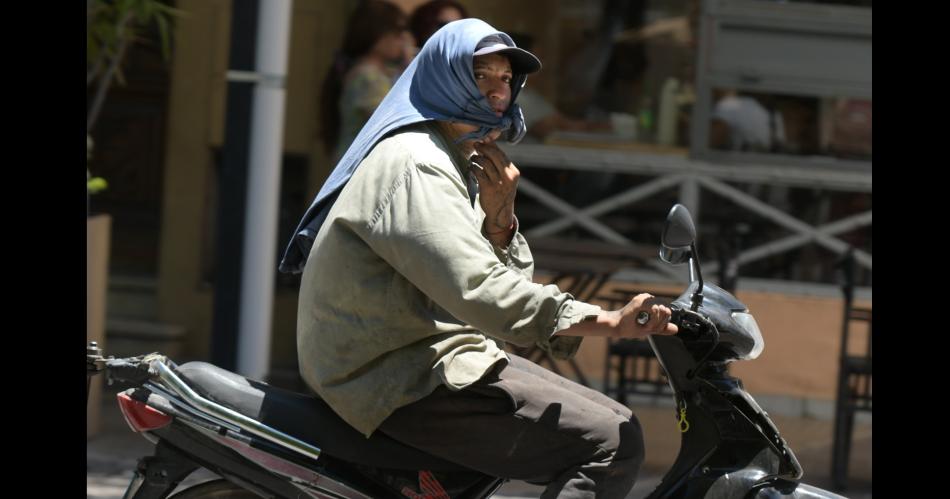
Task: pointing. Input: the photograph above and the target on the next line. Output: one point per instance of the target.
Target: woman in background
(376, 48)
(431, 16)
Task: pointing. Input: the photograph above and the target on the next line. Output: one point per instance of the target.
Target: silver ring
(643, 317)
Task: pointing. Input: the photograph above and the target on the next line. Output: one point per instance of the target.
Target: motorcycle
(269, 442)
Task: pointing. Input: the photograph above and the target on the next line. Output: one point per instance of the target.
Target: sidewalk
(112, 454)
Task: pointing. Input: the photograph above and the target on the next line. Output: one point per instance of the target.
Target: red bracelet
(512, 226)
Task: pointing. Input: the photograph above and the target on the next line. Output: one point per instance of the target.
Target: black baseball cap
(522, 61)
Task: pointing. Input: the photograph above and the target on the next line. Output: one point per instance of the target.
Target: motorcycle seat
(306, 417)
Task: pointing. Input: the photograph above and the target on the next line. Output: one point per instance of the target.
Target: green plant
(93, 184)
(112, 27)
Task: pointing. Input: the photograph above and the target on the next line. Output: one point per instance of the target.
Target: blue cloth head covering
(439, 84)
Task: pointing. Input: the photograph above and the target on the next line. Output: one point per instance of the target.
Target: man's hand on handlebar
(642, 316)
(637, 319)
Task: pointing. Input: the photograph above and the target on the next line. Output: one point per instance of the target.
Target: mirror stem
(694, 265)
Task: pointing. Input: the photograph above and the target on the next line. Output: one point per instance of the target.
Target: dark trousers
(524, 422)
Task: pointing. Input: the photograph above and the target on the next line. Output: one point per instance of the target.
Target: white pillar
(263, 191)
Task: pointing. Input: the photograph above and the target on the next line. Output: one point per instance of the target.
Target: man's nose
(498, 91)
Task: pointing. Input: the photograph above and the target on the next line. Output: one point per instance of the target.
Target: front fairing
(730, 443)
(730, 439)
(719, 305)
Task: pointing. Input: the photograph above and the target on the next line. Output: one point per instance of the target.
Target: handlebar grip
(132, 370)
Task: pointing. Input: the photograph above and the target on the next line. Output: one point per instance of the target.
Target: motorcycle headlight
(748, 324)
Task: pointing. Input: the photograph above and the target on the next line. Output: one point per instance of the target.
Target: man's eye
(506, 79)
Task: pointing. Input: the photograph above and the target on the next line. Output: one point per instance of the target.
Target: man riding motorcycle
(414, 273)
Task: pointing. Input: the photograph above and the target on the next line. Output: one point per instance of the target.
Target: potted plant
(112, 29)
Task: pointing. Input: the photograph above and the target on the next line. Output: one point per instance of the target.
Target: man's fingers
(656, 317)
(494, 152)
(488, 168)
(670, 329)
(663, 326)
(659, 315)
(497, 157)
(480, 174)
(641, 302)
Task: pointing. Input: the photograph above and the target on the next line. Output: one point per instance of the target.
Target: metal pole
(232, 187)
(263, 196)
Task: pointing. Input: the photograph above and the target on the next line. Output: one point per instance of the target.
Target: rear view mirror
(678, 245)
(674, 256)
(679, 231)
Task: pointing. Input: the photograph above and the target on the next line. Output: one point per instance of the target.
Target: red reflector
(140, 416)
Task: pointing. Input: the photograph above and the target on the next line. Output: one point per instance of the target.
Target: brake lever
(690, 322)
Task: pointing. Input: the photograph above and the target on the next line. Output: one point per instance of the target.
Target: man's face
(493, 76)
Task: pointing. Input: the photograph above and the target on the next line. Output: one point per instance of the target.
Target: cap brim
(522, 61)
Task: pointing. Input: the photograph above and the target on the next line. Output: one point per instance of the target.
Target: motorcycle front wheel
(215, 489)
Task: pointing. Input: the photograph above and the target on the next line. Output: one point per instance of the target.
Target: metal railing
(690, 177)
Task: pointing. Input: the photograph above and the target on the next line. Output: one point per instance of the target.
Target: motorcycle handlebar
(134, 370)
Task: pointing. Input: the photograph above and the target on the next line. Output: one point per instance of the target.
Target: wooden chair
(631, 368)
(854, 377)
